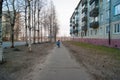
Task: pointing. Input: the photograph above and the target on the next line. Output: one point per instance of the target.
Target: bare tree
(34, 27)
(41, 5)
(13, 11)
(26, 25)
(53, 22)
(1, 50)
(29, 25)
(46, 24)
(55, 29)
(39, 10)
(38, 31)
(12, 19)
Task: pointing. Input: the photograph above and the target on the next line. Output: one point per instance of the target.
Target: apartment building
(6, 26)
(97, 22)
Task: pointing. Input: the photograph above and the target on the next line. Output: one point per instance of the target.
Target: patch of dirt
(101, 65)
(20, 62)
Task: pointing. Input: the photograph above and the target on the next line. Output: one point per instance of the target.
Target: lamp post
(109, 30)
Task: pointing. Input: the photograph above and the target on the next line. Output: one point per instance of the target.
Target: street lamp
(109, 30)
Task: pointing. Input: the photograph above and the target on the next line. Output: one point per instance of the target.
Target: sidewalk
(59, 65)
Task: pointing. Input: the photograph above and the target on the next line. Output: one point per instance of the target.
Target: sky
(64, 9)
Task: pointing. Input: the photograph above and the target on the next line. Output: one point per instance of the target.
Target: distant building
(6, 26)
(97, 22)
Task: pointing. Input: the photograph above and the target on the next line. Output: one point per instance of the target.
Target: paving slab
(60, 65)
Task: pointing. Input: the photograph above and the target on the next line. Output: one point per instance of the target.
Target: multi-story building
(75, 22)
(98, 22)
(6, 26)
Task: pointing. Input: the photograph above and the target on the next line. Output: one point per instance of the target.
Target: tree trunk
(41, 33)
(34, 40)
(29, 43)
(12, 35)
(26, 36)
(12, 20)
(50, 28)
(1, 50)
(38, 32)
(29, 21)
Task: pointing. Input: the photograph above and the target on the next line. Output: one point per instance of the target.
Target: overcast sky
(64, 10)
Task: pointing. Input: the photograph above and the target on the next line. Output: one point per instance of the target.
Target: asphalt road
(59, 65)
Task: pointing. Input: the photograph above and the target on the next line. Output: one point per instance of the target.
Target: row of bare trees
(39, 19)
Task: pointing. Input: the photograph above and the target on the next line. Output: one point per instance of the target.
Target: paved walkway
(59, 65)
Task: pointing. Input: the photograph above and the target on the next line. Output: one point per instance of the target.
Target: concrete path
(59, 65)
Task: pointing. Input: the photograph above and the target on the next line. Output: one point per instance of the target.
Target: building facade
(97, 22)
(6, 26)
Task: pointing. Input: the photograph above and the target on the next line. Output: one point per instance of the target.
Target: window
(107, 14)
(108, 0)
(101, 31)
(88, 33)
(91, 32)
(117, 10)
(107, 29)
(116, 28)
(101, 17)
(101, 3)
(91, 19)
(92, 6)
(96, 18)
(95, 32)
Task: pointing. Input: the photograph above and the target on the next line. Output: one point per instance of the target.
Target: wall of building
(107, 19)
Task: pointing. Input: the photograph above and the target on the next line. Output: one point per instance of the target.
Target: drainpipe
(109, 35)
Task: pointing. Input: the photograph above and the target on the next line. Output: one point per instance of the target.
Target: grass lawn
(112, 51)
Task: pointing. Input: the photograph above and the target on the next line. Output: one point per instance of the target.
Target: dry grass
(98, 60)
(20, 61)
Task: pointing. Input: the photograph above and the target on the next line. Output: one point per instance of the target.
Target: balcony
(75, 32)
(76, 12)
(73, 22)
(91, 1)
(76, 25)
(77, 20)
(84, 19)
(94, 12)
(73, 17)
(94, 24)
(84, 10)
(84, 2)
(84, 28)
(71, 33)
